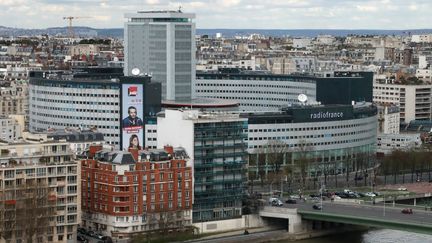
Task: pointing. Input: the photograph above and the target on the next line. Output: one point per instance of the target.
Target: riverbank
(265, 234)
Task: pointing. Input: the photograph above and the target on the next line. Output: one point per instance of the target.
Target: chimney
(134, 153)
(169, 149)
(94, 149)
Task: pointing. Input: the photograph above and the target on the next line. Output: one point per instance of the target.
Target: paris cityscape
(303, 121)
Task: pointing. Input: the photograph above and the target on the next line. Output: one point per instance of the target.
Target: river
(373, 236)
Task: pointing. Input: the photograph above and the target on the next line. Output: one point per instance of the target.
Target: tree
(303, 161)
(27, 208)
(275, 151)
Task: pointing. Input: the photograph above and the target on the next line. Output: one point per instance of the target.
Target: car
(272, 199)
(82, 231)
(407, 211)
(358, 178)
(317, 207)
(402, 189)
(91, 233)
(291, 201)
(81, 238)
(98, 235)
(370, 194)
(295, 197)
(277, 203)
(107, 239)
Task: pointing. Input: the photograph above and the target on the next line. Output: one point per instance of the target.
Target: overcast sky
(235, 14)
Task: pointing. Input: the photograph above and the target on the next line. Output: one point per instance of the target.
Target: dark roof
(77, 136)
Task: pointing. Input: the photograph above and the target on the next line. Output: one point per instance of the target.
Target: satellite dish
(302, 98)
(135, 71)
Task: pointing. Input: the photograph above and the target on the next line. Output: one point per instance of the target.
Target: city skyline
(252, 14)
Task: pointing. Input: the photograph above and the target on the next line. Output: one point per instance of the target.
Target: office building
(328, 135)
(88, 98)
(162, 44)
(215, 143)
(257, 91)
(137, 192)
(42, 170)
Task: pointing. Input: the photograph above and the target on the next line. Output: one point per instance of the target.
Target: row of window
(76, 117)
(310, 128)
(330, 136)
(75, 125)
(74, 109)
(349, 141)
(55, 101)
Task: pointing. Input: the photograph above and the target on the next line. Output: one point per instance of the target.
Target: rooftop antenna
(179, 9)
(302, 98)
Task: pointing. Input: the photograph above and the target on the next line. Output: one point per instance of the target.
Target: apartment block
(39, 192)
(128, 193)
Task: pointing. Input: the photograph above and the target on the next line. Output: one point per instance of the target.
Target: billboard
(132, 124)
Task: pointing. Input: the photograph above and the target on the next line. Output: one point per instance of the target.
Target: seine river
(373, 236)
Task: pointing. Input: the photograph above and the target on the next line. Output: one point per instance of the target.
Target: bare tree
(26, 210)
(303, 161)
(276, 150)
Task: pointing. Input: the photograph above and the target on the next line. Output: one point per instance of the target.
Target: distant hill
(308, 32)
(118, 32)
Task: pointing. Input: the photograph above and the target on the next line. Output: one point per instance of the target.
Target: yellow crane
(70, 28)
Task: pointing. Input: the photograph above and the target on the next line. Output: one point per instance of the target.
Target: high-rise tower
(162, 44)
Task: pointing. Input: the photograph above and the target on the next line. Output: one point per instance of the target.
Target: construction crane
(70, 28)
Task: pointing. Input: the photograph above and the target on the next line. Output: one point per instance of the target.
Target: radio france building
(260, 91)
(332, 133)
(89, 98)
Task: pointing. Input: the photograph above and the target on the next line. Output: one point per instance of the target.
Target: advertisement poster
(132, 124)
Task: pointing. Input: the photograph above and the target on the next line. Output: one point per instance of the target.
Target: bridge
(302, 217)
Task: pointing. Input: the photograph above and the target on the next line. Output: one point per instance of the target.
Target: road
(368, 211)
(252, 237)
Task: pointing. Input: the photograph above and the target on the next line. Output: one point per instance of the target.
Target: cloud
(282, 14)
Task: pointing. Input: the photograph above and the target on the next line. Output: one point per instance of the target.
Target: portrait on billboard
(132, 112)
(134, 142)
(132, 119)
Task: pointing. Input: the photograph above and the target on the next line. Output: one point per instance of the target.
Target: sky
(231, 14)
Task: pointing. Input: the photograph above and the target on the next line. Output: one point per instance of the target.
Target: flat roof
(159, 14)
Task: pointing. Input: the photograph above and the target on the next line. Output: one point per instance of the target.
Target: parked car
(277, 203)
(402, 189)
(98, 235)
(291, 201)
(82, 230)
(317, 207)
(107, 239)
(91, 233)
(272, 199)
(81, 238)
(407, 211)
(370, 194)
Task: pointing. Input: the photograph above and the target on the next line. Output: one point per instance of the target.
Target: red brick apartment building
(127, 193)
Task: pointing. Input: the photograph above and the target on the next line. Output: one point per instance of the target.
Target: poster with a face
(132, 124)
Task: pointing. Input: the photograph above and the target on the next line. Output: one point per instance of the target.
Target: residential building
(388, 119)
(390, 142)
(162, 44)
(14, 99)
(42, 170)
(414, 101)
(10, 129)
(215, 142)
(129, 193)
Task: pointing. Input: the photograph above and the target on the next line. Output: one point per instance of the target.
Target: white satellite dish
(136, 71)
(302, 98)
